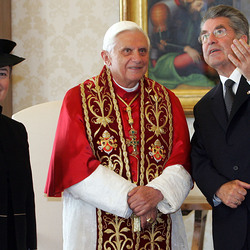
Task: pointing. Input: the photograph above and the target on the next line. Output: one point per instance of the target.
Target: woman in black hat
(17, 208)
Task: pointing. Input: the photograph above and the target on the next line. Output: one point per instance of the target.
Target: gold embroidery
(117, 229)
(154, 234)
(119, 121)
(157, 151)
(158, 114)
(142, 137)
(168, 236)
(86, 116)
(153, 112)
(113, 162)
(100, 105)
(100, 236)
(153, 170)
(100, 100)
(107, 142)
(137, 245)
(170, 117)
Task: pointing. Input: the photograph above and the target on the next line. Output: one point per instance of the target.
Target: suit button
(235, 168)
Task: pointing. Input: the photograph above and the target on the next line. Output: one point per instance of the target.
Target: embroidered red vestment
(112, 146)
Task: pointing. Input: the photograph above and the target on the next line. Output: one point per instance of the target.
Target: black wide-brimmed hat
(7, 59)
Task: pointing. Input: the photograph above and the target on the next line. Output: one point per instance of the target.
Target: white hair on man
(117, 28)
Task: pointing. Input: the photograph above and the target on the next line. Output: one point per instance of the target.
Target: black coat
(221, 153)
(17, 209)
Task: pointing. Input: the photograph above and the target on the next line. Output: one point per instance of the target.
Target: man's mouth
(135, 68)
(213, 51)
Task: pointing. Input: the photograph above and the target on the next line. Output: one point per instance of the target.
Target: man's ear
(106, 57)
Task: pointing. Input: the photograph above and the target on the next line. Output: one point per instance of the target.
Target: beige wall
(61, 41)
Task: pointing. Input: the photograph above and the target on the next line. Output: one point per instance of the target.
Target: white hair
(117, 28)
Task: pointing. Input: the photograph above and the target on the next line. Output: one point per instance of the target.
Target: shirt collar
(235, 76)
(127, 89)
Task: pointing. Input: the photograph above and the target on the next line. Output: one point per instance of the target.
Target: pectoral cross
(133, 142)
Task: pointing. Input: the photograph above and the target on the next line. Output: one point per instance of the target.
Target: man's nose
(137, 56)
(212, 38)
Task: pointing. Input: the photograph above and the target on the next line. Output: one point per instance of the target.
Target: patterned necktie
(229, 95)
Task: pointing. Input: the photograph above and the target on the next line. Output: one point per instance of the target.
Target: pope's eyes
(127, 50)
(143, 51)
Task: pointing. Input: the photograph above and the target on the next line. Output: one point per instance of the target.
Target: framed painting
(176, 61)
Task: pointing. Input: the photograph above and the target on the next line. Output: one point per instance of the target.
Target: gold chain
(129, 109)
(132, 133)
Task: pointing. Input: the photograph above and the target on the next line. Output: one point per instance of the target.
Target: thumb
(244, 184)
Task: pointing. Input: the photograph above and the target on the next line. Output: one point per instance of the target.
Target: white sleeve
(106, 190)
(174, 183)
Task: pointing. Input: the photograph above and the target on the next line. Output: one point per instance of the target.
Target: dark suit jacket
(17, 209)
(221, 153)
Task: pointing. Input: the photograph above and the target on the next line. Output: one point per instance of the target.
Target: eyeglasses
(218, 33)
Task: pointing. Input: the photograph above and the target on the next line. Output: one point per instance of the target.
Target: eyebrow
(216, 28)
(4, 69)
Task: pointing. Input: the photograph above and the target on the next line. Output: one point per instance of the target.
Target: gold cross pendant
(133, 142)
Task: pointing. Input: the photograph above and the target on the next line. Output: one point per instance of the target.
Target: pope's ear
(106, 57)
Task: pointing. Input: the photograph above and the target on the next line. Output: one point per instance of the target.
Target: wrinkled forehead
(215, 23)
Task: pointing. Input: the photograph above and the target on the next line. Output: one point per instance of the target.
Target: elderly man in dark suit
(17, 209)
(221, 142)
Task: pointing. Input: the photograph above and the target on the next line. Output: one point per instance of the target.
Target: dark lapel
(218, 106)
(242, 95)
